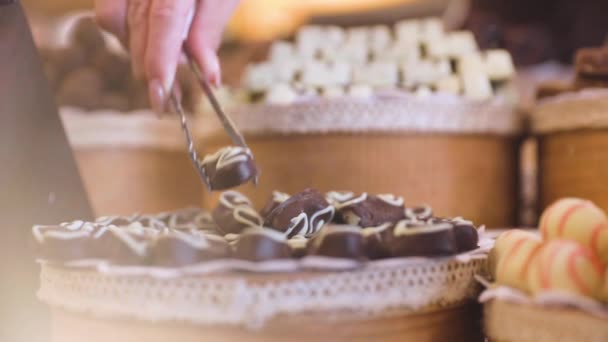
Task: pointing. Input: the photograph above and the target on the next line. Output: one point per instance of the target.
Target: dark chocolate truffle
(339, 241)
(229, 167)
(422, 239)
(235, 213)
(302, 214)
(465, 234)
(371, 211)
(276, 198)
(261, 244)
(177, 248)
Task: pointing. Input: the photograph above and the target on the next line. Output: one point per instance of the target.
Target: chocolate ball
(276, 198)
(339, 241)
(261, 244)
(304, 214)
(422, 239)
(465, 234)
(177, 248)
(371, 211)
(229, 167)
(235, 213)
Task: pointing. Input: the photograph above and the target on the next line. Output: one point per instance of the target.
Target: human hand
(154, 32)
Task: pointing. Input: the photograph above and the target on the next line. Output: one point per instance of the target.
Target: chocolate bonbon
(176, 248)
(229, 167)
(275, 200)
(235, 213)
(369, 210)
(376, 242)
(261, 244)
(339, 241)
(422, 239)
(465, 234)
(304, 213)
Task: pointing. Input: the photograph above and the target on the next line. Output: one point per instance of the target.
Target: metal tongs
(233, 133)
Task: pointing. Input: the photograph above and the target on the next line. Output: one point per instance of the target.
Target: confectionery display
(301, 224)
(229, 167)
(558, 275)
(415, 55)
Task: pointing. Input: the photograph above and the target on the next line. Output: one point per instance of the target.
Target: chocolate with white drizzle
(371, 210)
(422, 239)
(124, 245)
(65, 242)
(304, 214)
(229, 167)
(339, 241)
(175, 248)
(261, 244)
(276, 198)
(375, 241)
(421, 213)
(235, 213)
(465, 234)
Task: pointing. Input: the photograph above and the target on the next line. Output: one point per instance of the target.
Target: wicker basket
(573, 139)
(460, 157)
(132, 162)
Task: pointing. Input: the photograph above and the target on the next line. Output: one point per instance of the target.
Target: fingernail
(212, 68)
(157, 96)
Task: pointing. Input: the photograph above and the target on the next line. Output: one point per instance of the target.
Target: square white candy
(431, 28)
(259, 77)
(377, 74)
(475, 82)
(282, 51)
(460, 43)
(449, 84)
(332, 92)
(315, 73)
(399, 52)
(309, 40)
(380, 37)
(357, 35)
(333, 35)
(407, 31)
(286, 70)
(341, 73)
(352, 53)
(498, 64)
(281, 94)
(425, 72)
(360, 91)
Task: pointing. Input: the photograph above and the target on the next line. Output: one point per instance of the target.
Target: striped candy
(514, 250)
(578, 220)
(566, 266)
(504, 243)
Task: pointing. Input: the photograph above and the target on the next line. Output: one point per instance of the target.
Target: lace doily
(569, 111)
(141, 128)
(249, 300)
(386, 112)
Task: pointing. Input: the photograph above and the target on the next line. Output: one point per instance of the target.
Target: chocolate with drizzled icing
(229, 167)
(235, 213)
(370, 210)
(275, 200)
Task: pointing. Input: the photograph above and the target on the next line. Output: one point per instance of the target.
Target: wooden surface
(459, 175)
(123, 181)
(508, 322)
(574, 164)
(458, 324)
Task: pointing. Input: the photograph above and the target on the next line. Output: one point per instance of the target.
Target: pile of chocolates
(337, 224)
(416, 55)
(591, 66)
(87, 74)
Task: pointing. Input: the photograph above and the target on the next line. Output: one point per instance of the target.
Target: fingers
(206, 33)
(137, 20)
(167, 28)
(111, 15)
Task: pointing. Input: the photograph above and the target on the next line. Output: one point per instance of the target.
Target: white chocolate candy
(285, 71)
(579, 220)
(316, 74)
(426, 72)
(282, 51)
(566, 266)
(259, 77)
(360, 91)
(408, 31)
(334, 35)
(402, 52)
(431, 29)
(475, 82)
(449, 84)
(460, 43)
(281, 94)
(380, 37)
(341, 73)
(352, 53)
(332, 92)
(423, 91)
(377, 74)
(498, 65)
(357, 35)
(309, 40)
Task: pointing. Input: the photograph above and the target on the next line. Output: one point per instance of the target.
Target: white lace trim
(109, 128)
(587, 108)
(386, 112)
(411, 284)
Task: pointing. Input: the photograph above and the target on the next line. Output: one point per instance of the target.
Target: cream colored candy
(360, 91)
(380, 38)
(514, 263)
(437, 48)
(316, 74)
(423, 92)
(259, 77)
(475, 82)
(402, 52)
(334, 35)
(449, 84)
(377, 74)
(425, 72)
(408, 31)
(308, 40)
(352, 53)
(332, 92)
(431, 29)
(285, 71)
(341, 73)
(357, 35)
(505, 243)
(498, 65)
(566, 266)
(460, 43)
(579, 220)
(282, 51)
(281, 94)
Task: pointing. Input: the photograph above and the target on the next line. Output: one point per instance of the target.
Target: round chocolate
(465, 234)
(304, 213)
(177, 248)
(339, 241)
(276, 198)
(422, 239)
(234, 213)
(229, 167)
(371, 211)
(261, 244)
